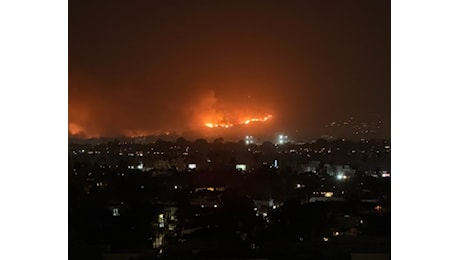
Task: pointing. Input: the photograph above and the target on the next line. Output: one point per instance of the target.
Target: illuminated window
(241, 167)
(328, 194)
(161, 221)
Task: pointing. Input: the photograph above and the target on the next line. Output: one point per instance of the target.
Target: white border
(425, 71)
(33, 105)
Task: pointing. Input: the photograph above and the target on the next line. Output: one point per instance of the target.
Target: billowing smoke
(93, 113)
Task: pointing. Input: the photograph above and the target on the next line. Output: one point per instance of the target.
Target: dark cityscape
(229, 130)
(325, 199)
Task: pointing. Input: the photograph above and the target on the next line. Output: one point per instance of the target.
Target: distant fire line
(243, 122)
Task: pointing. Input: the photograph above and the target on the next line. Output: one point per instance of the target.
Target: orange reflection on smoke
(75, 128)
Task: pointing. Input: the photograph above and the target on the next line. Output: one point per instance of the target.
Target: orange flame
(241, 122)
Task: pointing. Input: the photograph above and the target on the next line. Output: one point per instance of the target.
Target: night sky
(147, 67)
